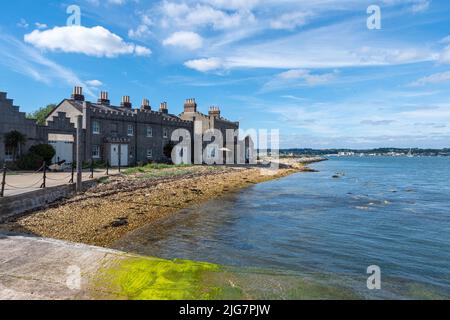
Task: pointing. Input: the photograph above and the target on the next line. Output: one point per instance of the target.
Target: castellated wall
(12, 119)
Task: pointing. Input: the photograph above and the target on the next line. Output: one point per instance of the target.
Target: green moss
(153, 166)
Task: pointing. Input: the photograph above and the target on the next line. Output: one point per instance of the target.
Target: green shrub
(30, 161)
(45, 151)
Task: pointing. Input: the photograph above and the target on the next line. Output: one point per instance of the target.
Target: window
(9, 154)
(149, 153)
(95, 127)
(130, 130)
(96, 152)
(165, 133)
(149, 132)
(114, 129)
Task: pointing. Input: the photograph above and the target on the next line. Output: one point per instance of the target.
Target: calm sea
(389, 212)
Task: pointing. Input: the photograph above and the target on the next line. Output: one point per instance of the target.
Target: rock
(119, 222)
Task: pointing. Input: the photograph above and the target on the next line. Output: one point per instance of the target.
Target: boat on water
(410, 154)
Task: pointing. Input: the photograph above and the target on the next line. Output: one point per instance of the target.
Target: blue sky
(309, 68)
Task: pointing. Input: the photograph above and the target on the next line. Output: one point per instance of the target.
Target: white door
(115, 155)
(64, 151)
(124, 155)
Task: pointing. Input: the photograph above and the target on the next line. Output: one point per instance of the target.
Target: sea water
(328, 226)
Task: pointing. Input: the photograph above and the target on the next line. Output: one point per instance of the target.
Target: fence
(40, 178)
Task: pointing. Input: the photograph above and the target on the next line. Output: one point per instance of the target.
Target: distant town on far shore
(384, 152)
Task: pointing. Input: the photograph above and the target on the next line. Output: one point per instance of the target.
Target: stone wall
(12, 119)
(22, 203)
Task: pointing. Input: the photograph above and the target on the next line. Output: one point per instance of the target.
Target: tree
(14, 141)
(45, 151)
(41, 114)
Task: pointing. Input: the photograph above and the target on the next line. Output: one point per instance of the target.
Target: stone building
(12, 119)
(116, 134)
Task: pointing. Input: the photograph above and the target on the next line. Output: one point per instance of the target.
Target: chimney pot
(163, 108)
(190, 105)
(104, 98)
(214, 112)
(77, 94)
(126, 102)
(146, 105)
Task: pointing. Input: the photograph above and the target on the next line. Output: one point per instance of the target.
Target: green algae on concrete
(157, 279)
(140, 278)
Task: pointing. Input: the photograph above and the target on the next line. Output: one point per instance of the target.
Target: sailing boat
(410, 154)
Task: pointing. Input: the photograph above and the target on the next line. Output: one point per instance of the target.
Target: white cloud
(204, 65)
(184, 39)
(338, 45)
(200, 15)
(108, 2)
(446, 40)
(445, 55)
(436, 78)
(298, 77)
(421, 6)
(117, 2)
(23, 24)
(233, 4)
(143, 30)
(28, 61)
(290, 21)
(95, 41)
(307, 76)
(94, 83)
(41, 25)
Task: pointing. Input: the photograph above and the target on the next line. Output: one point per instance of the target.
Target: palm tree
(14, 141)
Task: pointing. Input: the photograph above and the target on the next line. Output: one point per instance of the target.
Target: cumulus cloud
(204, 65)
(95, 41)
(143, 30)
(184, 39)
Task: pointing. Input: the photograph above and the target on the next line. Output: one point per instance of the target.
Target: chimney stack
(190, 105)
(146, 105)
(77, 94)
(104, 98)
(126, 102)
(214, 112)
(163, 108)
